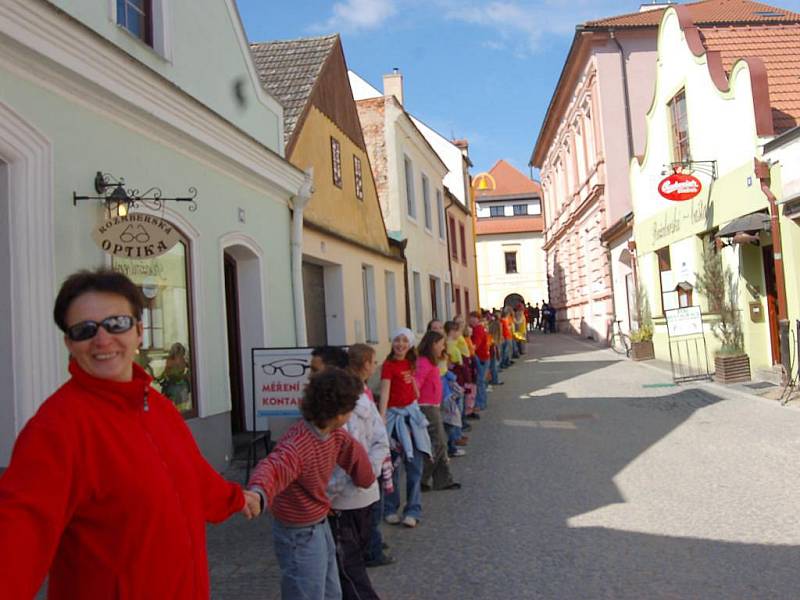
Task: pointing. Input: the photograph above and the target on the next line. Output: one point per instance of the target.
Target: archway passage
(514, 300)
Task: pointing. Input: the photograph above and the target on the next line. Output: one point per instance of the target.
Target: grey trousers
(438, 466)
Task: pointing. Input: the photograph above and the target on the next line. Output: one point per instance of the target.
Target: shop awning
(752, 223)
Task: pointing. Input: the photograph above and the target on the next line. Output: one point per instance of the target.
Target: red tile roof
(779, 48)
(510, 182)
(492, 225)
(705, 13)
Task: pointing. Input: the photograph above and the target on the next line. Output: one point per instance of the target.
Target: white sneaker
(409, 521)
(459, 452)
(392, 519)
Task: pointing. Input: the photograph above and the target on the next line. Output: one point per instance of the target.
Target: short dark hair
(430, 324)
(332, 356)
(450, 326)
(103, 280)
(330, 393)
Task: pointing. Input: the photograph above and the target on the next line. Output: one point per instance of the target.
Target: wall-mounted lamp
(120, 201)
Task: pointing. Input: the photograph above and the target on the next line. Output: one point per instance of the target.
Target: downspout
(299, 202)
(625, 91)
(762, 171)
(449, 254)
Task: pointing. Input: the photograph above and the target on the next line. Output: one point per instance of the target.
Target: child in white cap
(406, 425)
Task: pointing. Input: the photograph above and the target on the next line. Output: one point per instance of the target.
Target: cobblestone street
(588, 477)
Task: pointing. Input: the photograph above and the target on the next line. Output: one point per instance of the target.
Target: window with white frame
(520, 209)
(440, 213)
(411, 201)
(359, 178)
(679, 123)
(370, 310)
(511, 262)
(419, 317)
(336, 162)
(497, 211)
(136, 16)
(391, 301)
(426, 202)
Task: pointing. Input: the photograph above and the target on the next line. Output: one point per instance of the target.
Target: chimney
(393, 85)
(654, 5)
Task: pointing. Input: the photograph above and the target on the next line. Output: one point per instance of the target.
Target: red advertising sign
(679, 187)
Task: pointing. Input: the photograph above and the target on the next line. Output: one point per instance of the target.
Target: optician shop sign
(136, 235)
(679, 187)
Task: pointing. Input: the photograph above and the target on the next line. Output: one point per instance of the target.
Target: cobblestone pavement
(589, 477)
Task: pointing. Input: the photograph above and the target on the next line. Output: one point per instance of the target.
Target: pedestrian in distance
(480, 340)
(535, 314)
(431, 349)
(407, 428)
(352, 506)
(293, 479)
(496, 339)
(106, 489)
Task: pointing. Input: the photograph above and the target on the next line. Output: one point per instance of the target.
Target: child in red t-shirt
(407, 427)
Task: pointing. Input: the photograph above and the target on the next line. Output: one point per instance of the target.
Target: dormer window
(679, 123)
(136, 16)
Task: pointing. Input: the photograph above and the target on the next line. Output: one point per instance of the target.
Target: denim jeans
(494, 369)
(506, 354)
(307, 557)
(480, 397)
(375, 545)
(413, 469)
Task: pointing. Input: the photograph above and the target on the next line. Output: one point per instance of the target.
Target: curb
(711, 386)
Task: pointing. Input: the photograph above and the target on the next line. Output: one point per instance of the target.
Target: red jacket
(108, 491)
(481, 341)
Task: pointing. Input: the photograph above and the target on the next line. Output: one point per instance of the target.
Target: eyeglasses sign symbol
(288, 367)
(679, 187)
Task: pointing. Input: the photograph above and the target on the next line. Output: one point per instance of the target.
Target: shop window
(166, 352)
(359, 178)
(336, 161)
(669, 297)
(511, 262)
(680, 128)
(136, 16)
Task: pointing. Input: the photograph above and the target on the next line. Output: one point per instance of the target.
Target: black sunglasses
(86, 330)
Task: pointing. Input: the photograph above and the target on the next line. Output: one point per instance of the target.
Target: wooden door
(316, 318)
(234, 344)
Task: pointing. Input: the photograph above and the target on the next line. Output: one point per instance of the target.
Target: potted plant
(642, 334)
(717, 283)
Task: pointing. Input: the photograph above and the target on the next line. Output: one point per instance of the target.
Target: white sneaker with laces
(459, 452)
(409, 521)
(392, 519)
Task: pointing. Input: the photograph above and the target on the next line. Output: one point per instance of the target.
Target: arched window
(167, 352)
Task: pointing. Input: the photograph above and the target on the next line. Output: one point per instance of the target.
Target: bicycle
(620, 342)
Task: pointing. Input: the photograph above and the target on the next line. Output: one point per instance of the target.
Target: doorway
(772, 303)
(316, 318)
(234, 344)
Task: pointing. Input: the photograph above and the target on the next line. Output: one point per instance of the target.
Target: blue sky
(484, 70)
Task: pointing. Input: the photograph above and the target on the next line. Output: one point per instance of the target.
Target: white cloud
(354, 15)
(521, 24)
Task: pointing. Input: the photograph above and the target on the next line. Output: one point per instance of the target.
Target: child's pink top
(429, 382)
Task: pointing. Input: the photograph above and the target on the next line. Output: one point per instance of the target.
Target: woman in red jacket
(106, 489)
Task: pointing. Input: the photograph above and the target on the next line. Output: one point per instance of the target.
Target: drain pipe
(625, 92)
(299, 202)
(762, 171)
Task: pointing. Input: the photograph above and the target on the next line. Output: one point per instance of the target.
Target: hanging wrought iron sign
(136, 235)
(128, 234)
(679, 187)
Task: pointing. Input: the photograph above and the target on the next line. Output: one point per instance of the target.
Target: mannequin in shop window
(174, 379)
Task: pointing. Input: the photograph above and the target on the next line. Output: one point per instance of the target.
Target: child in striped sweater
(292, 481)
